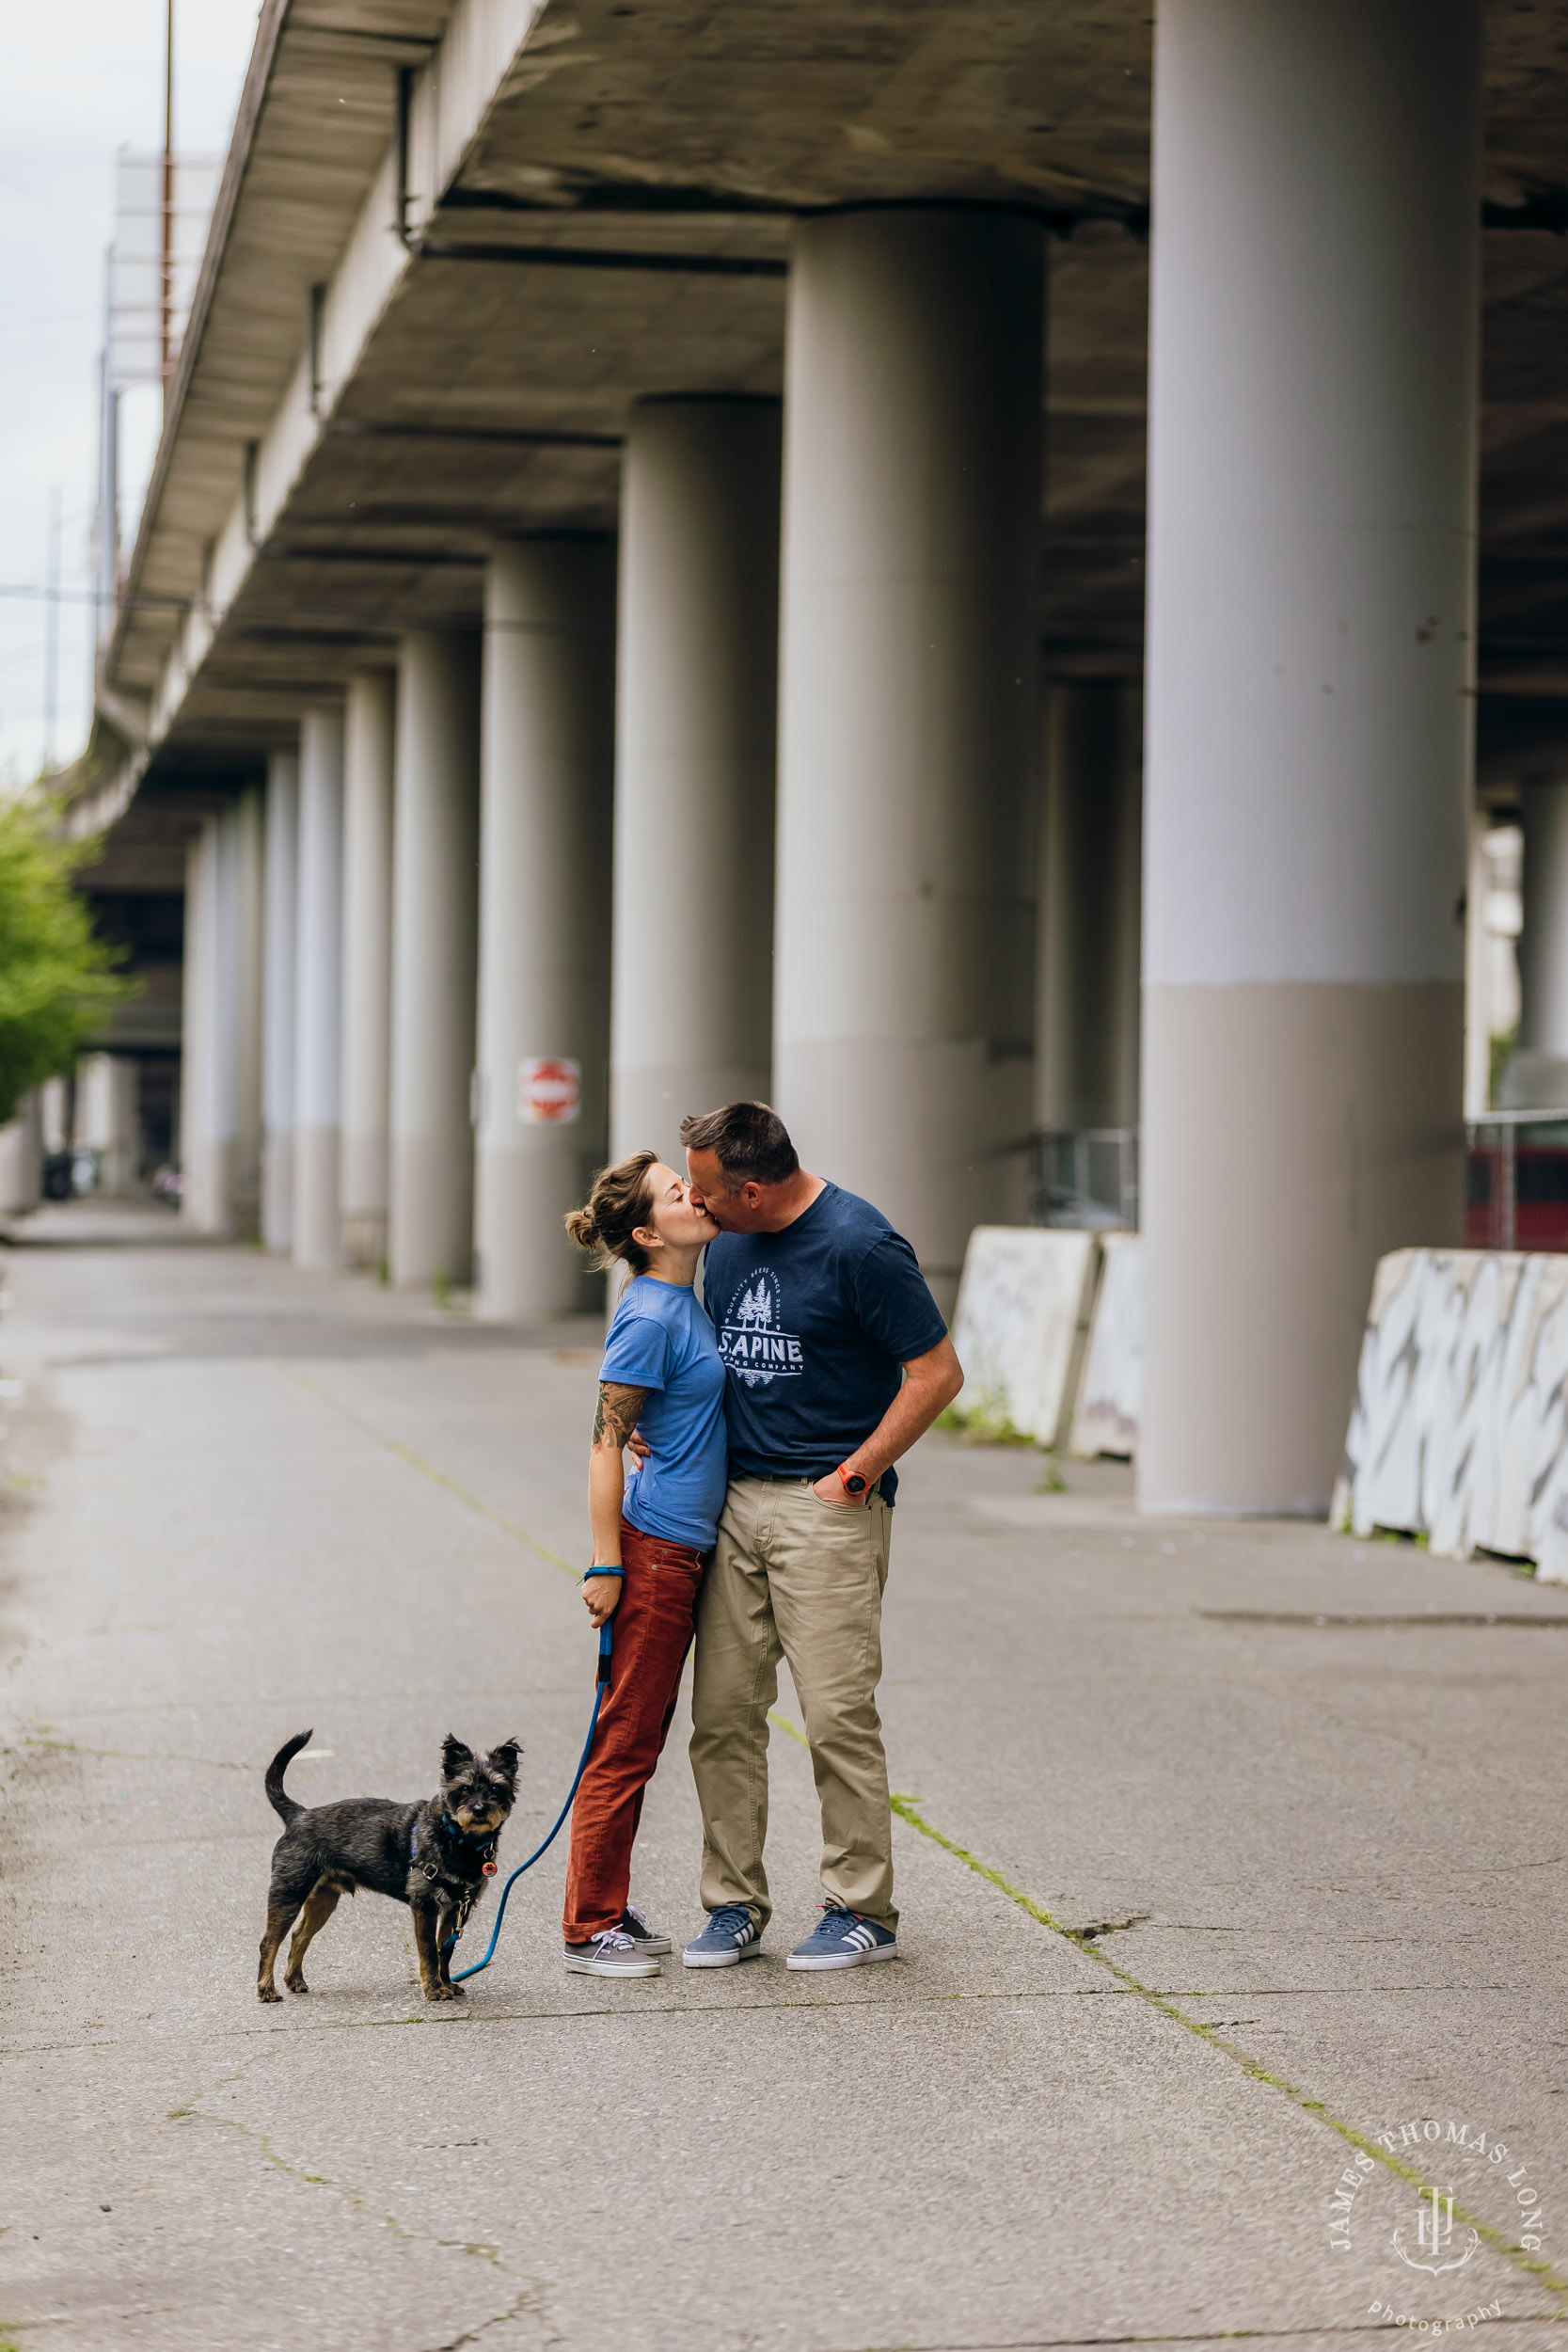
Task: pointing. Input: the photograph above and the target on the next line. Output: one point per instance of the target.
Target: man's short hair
(749, 1141)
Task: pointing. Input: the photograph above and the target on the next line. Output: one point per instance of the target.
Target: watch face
(856, 1483)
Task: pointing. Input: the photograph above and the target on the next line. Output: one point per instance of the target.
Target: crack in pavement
(529, 2302)
(912, 2005)
(1213, 2335)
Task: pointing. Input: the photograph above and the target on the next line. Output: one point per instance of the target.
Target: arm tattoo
(617, 1412)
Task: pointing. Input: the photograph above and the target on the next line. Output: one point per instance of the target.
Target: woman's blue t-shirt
(661, 1340)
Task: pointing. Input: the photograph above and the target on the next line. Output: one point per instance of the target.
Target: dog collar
(467, 1836)
(445, 1824)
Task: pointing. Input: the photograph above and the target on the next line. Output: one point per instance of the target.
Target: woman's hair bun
(618, 1204)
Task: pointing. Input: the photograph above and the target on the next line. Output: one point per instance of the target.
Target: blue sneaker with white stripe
(731, 1935)
(842, 1939)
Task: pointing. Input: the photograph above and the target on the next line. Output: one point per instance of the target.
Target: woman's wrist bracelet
(597, 1570)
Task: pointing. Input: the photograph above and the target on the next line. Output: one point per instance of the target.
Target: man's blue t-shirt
(661, 1340)
(814, 1323)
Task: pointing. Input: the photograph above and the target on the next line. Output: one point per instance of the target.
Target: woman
(662, 1376)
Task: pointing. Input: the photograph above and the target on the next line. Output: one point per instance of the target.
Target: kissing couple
(757, 1519)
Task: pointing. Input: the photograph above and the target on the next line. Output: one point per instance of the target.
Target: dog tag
(489, 1869)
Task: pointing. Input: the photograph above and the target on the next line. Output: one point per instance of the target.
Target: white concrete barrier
(1021, 1324)
(1110, 1398)
(1459, 1431)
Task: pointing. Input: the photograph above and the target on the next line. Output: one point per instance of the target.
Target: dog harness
(433, 1872)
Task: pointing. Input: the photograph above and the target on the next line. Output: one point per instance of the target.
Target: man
(836, 1360)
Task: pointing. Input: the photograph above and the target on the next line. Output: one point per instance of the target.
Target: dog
(434, 1857)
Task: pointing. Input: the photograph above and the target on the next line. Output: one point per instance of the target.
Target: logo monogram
(751, 1341)
(1435, 2234)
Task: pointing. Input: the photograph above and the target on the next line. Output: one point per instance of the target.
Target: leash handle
(601, 1685)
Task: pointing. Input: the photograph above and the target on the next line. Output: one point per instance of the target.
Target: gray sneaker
(731, 1935)
(646, 1937)
(609, 1954)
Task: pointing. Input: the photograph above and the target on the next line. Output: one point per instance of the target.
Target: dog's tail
(277, 1796)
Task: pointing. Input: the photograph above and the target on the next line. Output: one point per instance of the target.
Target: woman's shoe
(609, 1954)
(646, 1938)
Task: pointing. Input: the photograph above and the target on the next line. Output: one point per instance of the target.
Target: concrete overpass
(579, 402)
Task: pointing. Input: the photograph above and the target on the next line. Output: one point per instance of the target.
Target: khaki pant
(794, 1578)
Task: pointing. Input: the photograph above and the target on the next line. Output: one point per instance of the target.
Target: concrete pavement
(1199, 1898)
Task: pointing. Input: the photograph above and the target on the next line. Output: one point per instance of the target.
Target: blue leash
(600, 1687)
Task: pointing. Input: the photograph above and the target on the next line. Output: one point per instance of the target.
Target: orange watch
(851, 1481)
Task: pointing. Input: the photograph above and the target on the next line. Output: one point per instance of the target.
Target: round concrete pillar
(199, 1027)
(318, 1000)
(107, 1120)
(21, 1158)
(368, 751)
(696, 727)
(245, 898)
(221, 1044)
(909, 712)
(435, 880)
(543, 990)
(1311, 628)
(278, 956)
(1536, 1078)
(1090, 899)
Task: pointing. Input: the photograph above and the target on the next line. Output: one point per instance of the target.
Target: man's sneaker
(646, 1938)
(609, 1954)
(731, 1934)
(842, 1939)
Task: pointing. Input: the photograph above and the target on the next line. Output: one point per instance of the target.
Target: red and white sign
(550, 1090)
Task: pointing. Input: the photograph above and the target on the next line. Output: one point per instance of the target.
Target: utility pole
(166, 305)
(52, 628)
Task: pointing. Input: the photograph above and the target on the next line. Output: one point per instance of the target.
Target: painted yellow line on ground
(428, 1469)
(908, 1810)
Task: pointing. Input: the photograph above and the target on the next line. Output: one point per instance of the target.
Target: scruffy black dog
(434, 1857)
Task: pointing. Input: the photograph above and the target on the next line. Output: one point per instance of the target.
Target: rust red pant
(653, 1632)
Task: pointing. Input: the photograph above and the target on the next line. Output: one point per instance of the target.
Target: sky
(81, 82)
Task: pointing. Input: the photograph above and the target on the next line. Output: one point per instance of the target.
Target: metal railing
(1516, 1200)
(1084, 1177)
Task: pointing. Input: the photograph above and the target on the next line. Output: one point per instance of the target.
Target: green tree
(58, 980)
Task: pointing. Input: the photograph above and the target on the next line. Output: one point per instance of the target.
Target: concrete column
(1090, 897)
(696, 724)
(907, 711)
(244, 946)
(107, 1119)
(1311, 626)
(368, 751)
(204, 1200)
(280, 956)
(1477, 970)
(21, 1158)
(1536, 1078)
(544, 991)
(222, 1042)
(435, 890)
(318, 991)
(55, 1114)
